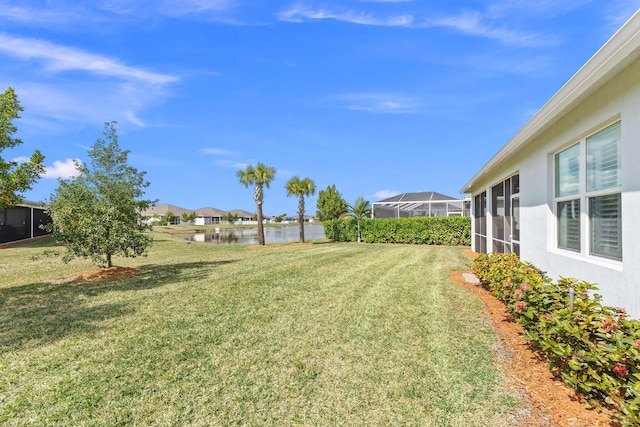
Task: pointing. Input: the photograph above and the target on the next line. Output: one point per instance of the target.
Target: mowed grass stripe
(326, 334)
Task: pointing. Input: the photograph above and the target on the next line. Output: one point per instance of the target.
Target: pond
(249, 236)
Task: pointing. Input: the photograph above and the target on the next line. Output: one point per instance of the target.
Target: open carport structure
(428, 203)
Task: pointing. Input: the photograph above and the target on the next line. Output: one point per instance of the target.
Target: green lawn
(316, 335)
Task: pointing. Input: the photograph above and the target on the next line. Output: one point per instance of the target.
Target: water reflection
(249, 236)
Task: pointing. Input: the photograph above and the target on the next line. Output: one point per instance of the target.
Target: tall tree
(259, 176)
(330, 204)
(15, 177)
(300, 187)
(98, 213)
(360, 210)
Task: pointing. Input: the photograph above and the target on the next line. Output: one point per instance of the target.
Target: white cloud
(109, 90)
(385, 194)
(185, 7)
(231, 164)
(472, 23)
(202, 10)
(167, 7)
(378, 103)
(302, 13)
(62, 169)
(83, 101)
(130, 115)
(216, 151)
(39, 15)
(475, 24)
(59, 58)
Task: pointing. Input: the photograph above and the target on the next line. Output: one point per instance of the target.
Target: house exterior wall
(619, 281)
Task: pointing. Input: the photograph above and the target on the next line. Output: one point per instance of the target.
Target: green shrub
(451, 231)
(341, 230)
(595, 349)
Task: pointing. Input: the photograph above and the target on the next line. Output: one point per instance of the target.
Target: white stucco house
(564, 192)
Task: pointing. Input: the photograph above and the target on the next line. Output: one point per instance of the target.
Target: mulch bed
(110, 273)
(553, 404)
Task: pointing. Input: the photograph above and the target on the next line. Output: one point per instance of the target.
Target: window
(588, 196)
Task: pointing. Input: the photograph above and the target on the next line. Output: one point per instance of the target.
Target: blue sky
(378, 97)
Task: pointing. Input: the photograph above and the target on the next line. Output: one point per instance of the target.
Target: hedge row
(595, 349)
(451, 230)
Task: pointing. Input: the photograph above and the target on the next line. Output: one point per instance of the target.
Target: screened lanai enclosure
(22, 222)
(430, 203)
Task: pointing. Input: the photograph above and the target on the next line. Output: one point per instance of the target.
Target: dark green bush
(451, 230)
(595, 349)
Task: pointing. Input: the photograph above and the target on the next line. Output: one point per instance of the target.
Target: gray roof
(241, 213)
(163, 208)
(425, 196)
(210, 212)
(31, 204)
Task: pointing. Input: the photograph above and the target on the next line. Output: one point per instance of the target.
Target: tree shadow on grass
(38, 314)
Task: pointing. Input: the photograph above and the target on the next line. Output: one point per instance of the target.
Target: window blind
(603, 159)
(569, 225)
(606, 226)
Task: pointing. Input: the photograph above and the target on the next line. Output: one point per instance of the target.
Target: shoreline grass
(319, 334)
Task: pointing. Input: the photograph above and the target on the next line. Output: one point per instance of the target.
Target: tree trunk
(109, 264)
(359, 239)
(258, 197)
(260, 225)
(301, 218)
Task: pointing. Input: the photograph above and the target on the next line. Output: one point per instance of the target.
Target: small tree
(188, 217)
(300, 187)
(230, 218)
(169, 218)
(330, 204)
(260, 177)
(360, 210)
(98, 213)
(15, 178)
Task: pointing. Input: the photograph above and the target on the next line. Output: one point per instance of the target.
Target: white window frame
(584, 197)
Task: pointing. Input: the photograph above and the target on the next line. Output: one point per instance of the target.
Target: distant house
(204, 216)
(564, 192)
(209, 216)
(23, 222)
(157, 212)
(244, 216)
(430, 203)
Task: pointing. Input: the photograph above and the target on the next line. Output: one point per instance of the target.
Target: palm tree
(259, 176)
(300, 187)
(360, 210)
